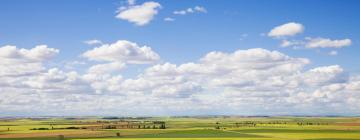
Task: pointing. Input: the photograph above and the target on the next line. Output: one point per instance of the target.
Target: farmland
(182, 128)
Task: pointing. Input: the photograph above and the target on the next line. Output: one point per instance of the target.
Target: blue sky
(225, 26)
(66, 24)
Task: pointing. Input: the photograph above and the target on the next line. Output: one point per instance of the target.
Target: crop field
(182, 128)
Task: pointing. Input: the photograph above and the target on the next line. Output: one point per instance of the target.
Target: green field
(183, 128)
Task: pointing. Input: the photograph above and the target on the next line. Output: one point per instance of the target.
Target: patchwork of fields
(199, 128)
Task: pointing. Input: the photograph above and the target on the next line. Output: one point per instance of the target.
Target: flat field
(182, 128)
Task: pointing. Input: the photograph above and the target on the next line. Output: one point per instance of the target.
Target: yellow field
(234, 128)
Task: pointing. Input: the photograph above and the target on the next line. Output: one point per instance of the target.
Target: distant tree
(162, 126)
(217, 125)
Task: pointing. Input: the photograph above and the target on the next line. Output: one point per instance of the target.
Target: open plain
(182, 128)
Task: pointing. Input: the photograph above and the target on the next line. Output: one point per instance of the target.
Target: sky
(181, 57)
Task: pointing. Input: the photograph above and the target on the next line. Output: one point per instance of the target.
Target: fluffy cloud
(243, 81)
(106, 68)
(105, 77)
(196, 9)
(122, 51)
(139, 14)
(288, 29)
(327, 43)
(325, 75)
(15, 62)
(291, 29)
(246, 69)
(39, 53)
(246, 78)
(55, 80)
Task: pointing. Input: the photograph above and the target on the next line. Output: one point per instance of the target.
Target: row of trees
(253, 124)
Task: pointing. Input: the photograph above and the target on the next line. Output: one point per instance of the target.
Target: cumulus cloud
(106, 68)
(139, 14)
(325, 75)
(55, 80)
(39, 53)
(292, 28)
(241, 69)
(245, 77)
(288, 29)
(327, 43)
(196, 9)
(113, 58)
(14, 61)
(122, 51)
(242, 81)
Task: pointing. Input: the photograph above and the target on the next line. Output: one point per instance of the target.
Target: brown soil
(55, 134)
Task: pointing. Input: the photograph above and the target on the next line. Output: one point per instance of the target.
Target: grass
(196, 134)
(180, 139)
(336, 128)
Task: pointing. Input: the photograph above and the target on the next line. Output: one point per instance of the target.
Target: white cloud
(313, 43)
(122, 51)
(106, 68)
(139, 14)
(183, 90)
(117, 55)
(181, 12)
(169, 19)
(252, 77)
(245, 81)
(54, 80)
(200, 9)
(39, 53)
(288, 29)
(253, 68)
(325, 75)
(327, 43)
(292, 28)
(196, 9)
(333, 53)
(131, 2)
(285, 43)
(14, 61)
(93, 42)
(292, 43)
